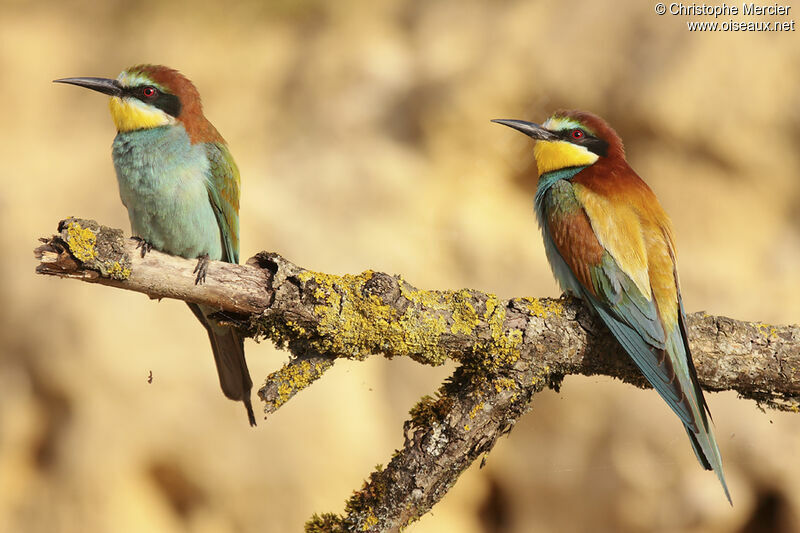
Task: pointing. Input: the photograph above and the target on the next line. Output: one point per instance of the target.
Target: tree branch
(507, 351)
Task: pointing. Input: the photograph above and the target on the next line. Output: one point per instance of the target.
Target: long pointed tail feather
(228, 348)
(707, 452)
(674, 377)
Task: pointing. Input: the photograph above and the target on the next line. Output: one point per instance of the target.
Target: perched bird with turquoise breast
(181, 187)
(609, 242)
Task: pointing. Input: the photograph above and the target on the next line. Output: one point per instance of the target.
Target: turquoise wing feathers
(634, 322)
(223, 192)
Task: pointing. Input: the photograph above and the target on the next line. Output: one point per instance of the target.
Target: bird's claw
(143, 245)
(201, 269)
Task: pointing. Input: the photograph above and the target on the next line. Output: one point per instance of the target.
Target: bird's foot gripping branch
(506, 351)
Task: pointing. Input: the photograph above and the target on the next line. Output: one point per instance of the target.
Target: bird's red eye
(149, 92)
(577, 134)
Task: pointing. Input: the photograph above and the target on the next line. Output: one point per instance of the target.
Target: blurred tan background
(362, 133)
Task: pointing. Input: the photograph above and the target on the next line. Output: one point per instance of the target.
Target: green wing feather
(634, 321)
(223, 191)
(228, 346)
(662, 355)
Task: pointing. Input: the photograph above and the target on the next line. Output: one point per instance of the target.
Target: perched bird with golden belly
(609, 242)
(180, 184)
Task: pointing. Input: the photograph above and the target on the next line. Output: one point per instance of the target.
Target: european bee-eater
(181, 187)
(609, 242)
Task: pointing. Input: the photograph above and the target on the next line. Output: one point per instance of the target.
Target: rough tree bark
(506, 350)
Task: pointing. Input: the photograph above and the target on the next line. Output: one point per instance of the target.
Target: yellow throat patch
(132, 114)
(555, 155)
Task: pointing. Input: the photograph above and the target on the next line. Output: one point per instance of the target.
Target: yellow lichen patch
(503, 350)
(352, 321)
(542, 375)
(295, 377)
(429, 299)
(543, 308)
(465, 318)
(491, 305)
(81, 242)
(769, 332)
(295, 327)
(117, 271)
(504, 384)
(474, 412)
(466, 427)
(356, 324)
(369, 521)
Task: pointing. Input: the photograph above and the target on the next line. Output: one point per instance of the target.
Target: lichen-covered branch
(507, 351)
(86, 250)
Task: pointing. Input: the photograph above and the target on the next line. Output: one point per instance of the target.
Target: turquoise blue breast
(163, 182)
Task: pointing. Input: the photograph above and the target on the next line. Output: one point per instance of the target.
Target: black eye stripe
(595, 145)
(592, 143)
(567, 135)
(168, 103)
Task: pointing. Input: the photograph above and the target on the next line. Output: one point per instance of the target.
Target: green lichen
(81, 242)
(360, 508)
(431, 410)
(325, 523)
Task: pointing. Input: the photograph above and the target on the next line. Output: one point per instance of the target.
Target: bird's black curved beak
(534, 131)
(101, 85)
